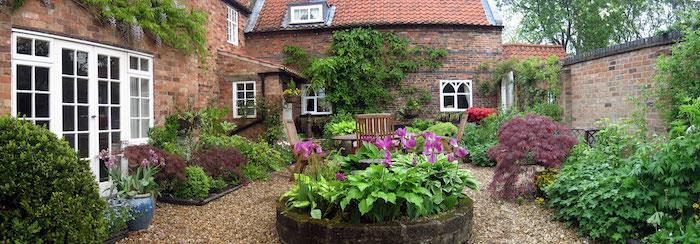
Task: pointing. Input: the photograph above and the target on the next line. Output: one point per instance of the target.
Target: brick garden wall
(180, 80)
(599, 85)
(468, 47)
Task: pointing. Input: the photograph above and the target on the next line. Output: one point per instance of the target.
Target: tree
(583, 25)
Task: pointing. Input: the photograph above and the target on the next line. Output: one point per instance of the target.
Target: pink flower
(340, 176)
(410, 143)
(387, 158)
(384, 143)
(453, 142)
(144, 163)
(450, 158)
(432, 159)
(461, 152)
(109, 159)
(429, 136)
(319, 151)
(401, 132)
(414, 161)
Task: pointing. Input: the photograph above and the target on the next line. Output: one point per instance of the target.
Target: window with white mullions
(455, 95)
(244, 99)
(140, 107)
(109, 107)
(232, 26)
(32, 93)
(75, 102)
(306, 14)
(314, 102)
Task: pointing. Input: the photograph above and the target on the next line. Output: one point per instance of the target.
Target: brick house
(62, 68)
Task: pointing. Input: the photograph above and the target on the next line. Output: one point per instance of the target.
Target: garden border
(117, 236)
(202, 202)
(451, 227)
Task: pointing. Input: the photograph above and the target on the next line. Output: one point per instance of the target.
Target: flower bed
(449, 227)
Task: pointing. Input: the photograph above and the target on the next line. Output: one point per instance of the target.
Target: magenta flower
(401, 132)
(450, 158)
(410, 143)
(432, 159)
(429, 136)
(461, 152)
(453, 142)
(340, 176)
(387, 158)
(109, 159)
(144, 163)
(437, 146)
(319, 151)
(384, 143)
(306, 148)
(414, 161)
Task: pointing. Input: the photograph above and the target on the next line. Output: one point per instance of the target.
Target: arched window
(455, 95)
(314, 102)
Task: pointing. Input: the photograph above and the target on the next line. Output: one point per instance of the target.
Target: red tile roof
(532, 50)
(382, 12)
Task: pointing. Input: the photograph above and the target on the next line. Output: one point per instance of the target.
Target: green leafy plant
(422, 124)
(363, 66)
(317, 195)
(340, 128)
(536, 79)
(270, 111)
(599, 188)
(217, 185)
(551, 110)
(46, 193)
(444, 129)
(262, 158)
(678, 75)
(197, 185)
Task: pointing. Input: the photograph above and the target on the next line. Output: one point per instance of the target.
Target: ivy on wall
(364, 65)
(169, 22)
(536, 80)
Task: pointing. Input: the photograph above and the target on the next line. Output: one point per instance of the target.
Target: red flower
(477, 114)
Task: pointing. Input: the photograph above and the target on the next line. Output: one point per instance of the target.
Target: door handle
(93, 116)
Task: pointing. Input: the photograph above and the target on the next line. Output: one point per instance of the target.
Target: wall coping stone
(659, 40)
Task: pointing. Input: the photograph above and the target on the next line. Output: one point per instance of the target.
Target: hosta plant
(526, 141)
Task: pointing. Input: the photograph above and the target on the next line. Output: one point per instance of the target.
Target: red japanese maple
(524, 142)
(477, 114)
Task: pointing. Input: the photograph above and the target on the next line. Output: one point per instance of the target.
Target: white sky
(510, 21)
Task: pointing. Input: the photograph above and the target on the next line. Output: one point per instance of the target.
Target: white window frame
(140, 74)
(296, 19)
(236, 98)
(232, 25)
(305, 97)
(455, 84)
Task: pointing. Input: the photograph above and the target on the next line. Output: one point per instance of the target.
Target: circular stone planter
(451, 227)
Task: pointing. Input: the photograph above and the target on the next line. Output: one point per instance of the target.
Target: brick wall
(468, 47)
(180, 79)
(601, 87)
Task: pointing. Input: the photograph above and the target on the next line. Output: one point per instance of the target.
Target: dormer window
(305, 14)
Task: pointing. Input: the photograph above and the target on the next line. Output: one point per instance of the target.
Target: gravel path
(506, 222)
(248, 216)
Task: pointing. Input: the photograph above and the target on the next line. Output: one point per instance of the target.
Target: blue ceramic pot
(142, 208)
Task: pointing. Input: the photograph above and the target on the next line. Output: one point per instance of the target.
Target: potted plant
(137, 188)
(291, 93)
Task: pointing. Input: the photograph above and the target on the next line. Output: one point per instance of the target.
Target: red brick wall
(468, 47)
(180, 80)
(601, 88)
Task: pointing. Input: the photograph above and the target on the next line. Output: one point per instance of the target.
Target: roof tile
(382, 12)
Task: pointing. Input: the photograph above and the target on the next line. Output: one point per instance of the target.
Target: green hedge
(46, 193)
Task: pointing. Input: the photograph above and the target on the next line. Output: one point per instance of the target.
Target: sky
(510, 21)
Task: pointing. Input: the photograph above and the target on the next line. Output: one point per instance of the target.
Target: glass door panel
(75, 104)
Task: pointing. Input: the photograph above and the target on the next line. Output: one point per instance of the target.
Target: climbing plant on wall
(536, 80)
(364, 65)
(169, 22)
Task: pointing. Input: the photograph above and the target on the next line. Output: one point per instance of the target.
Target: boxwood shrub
(46, 193)
(196, 186)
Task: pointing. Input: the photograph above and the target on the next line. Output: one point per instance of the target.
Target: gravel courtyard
(248, 216)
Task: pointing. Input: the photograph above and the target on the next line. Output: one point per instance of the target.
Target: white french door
(96, 97)
(91, 91)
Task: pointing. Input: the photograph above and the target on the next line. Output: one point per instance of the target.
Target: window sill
(312, 113)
